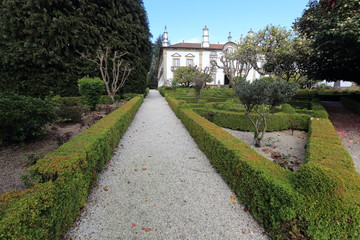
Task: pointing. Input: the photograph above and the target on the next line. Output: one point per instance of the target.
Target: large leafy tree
(333, 27)
(41, 41)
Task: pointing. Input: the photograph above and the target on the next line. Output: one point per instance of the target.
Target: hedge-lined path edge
(159, 185)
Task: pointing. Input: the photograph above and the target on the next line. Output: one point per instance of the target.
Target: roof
(196, 45)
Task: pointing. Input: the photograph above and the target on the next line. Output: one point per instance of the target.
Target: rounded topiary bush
(22, 117)
(91, 89)
(287, 108)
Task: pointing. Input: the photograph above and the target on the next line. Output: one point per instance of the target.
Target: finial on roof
(229, 37)
(250, 33)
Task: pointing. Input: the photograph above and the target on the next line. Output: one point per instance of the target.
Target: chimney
(205, 42)
(165, 42)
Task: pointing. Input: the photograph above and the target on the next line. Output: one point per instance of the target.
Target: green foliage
(287, 108)
(267, 79)
(39, 48)
(332, 26)
(320, 201)
(153, 73)
(23, 117)
(238, 121)
(69, 114)
(91, 89)
(262, 97)
(184, 76)
(64, 179)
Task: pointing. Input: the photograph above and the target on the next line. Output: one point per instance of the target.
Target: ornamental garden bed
(62, 180)
(319, 201)
(15, 159)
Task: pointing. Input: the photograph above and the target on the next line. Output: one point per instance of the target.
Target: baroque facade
(195, 54)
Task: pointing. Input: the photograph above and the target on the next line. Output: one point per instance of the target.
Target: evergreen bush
(91, 90)
(22, 117)
(287, 108)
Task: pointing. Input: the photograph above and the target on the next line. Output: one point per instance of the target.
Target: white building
(195, 54)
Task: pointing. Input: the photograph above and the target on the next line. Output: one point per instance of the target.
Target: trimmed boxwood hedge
(320, 201)
(238, 121)
(64, 177)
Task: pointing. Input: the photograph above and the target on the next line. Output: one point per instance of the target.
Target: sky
(185, 19)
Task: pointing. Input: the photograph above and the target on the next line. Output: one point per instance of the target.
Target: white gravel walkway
(159, 185)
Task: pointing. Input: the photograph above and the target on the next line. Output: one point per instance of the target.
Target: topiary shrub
(91, 89)
(22, 117)
(287, 108)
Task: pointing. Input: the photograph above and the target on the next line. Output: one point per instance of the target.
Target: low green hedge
(64, 178)
(320, 201)
(238, 121)
(351, 103)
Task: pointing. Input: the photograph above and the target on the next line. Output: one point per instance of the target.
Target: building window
(176, 64)
(189, 62)
(229, 50)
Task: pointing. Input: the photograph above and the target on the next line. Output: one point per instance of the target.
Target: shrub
(287, 108)
(69, 114)
(23, 117)
(91, 89)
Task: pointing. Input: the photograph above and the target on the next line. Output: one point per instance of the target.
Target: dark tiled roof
(195, 45)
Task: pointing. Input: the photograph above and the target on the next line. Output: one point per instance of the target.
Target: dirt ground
(13, 160)
(286, 148)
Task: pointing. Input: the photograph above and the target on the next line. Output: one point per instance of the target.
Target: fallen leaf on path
(135, 170)
(144, 169)
(265, 150)
(246, 210)
(155, 205)
(243, 231)
(232, 199)
(146, 229)
(106, 188)
(133, 224)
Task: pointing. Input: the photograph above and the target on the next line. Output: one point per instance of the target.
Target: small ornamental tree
(193, 77)
(202, 77)
(262, 97)
(184, 76)
(91, 89)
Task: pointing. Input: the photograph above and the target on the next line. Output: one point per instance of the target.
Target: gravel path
(159, 185)
(347, 125)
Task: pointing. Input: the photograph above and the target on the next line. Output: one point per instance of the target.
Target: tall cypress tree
(153, 74)
(41, 40)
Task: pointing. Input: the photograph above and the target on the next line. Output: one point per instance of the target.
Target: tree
(40, 40)
(193, 76)
(184, 76)
(202, 76)
(113, 77)
(333, 28)
(234, 64)
(262, 97)
(153, 73)
(265, 49)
